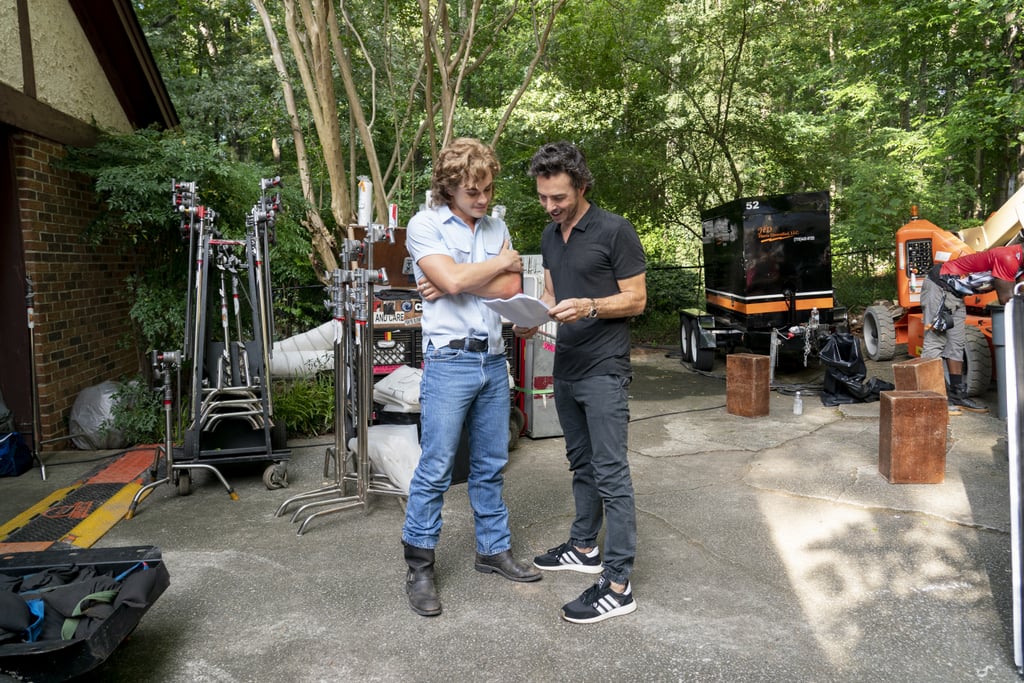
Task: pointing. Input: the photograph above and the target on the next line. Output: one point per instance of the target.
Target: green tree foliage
(679, 106)
(132, 177)
(214, 60)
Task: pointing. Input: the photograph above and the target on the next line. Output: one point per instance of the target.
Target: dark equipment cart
(50, 661)
(230, 411)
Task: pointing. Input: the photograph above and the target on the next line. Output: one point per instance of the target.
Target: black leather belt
(469, 344)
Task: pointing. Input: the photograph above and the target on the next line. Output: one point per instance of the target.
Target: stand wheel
(276, 476)
(184, 482)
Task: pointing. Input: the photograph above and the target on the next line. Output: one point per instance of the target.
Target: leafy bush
(656, 328)
(306, 404)
(669, 289)
(136, 413)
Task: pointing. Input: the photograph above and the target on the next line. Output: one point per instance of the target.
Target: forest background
(679, 107)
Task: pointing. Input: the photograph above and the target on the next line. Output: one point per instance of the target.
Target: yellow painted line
(103, 518)
(36, 510)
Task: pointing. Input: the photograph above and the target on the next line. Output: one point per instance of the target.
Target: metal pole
(37, 430)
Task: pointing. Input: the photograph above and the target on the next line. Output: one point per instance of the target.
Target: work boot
(419, 581)
(505, 565)
(957, 396)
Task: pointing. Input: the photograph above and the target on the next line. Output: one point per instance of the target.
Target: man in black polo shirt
(594, 281)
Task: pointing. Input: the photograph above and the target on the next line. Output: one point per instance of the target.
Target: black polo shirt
(602, 249)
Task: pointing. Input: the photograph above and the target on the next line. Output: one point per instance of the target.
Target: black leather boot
(419, 581)
(957, 395)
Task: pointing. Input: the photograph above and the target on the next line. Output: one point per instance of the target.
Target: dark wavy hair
(464, 160)
(562, 157)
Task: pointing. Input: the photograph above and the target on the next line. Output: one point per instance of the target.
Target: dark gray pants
(594, 414)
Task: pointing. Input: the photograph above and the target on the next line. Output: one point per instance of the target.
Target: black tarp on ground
(845, 373)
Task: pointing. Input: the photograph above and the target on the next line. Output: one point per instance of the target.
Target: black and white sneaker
(599, 602)
(566, 556)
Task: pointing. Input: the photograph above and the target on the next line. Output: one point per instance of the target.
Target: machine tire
(184, 482)
(685, 343)
(977, 362)
(276, 476)
(879, 333)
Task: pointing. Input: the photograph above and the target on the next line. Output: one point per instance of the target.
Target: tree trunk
(322, 241)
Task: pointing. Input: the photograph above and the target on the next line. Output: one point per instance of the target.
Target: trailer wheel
(977, 362)
(684, 340)
(879, 333)
(703, 359)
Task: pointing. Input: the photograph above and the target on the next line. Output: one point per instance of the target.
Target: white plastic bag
(92, 416)
(394, 451)
(400, 391)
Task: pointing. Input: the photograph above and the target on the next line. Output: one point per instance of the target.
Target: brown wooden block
(747, 384)
(912, 437)
(920, 374)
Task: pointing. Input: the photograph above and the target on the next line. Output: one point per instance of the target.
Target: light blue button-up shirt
(437, 230)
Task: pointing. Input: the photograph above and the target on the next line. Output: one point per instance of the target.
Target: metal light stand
(356, 323)
(163, 363)
(37, 429)
(342, 351)
(234, 388)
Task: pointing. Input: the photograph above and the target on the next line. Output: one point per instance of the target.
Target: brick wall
(82, 329)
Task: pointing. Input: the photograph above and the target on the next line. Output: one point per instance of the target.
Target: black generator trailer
(767, 280)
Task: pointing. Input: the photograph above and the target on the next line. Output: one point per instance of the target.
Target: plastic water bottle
(798, 404)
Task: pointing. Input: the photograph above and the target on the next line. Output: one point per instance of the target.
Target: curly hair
(464, 160)
(562, 157)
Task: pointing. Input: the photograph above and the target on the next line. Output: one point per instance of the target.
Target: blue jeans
(461, 387)
(594, 414)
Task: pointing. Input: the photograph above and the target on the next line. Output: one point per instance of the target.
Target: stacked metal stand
(231, 416)
(351, 292)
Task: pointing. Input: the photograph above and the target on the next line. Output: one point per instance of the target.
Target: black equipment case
(46, 661)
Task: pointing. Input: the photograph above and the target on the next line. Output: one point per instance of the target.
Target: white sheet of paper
(522, 309)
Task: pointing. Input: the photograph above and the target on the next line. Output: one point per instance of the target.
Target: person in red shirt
(945, 315)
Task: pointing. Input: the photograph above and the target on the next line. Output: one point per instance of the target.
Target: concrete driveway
(770, 549)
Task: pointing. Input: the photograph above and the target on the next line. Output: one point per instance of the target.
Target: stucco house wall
(69, 77)
(68, 69)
